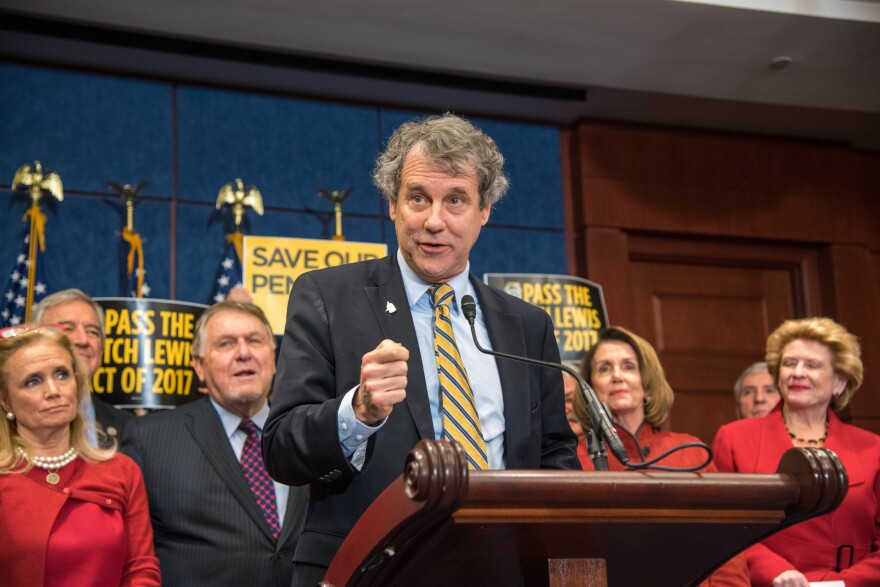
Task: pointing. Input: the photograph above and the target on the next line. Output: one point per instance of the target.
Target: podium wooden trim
(439, 524)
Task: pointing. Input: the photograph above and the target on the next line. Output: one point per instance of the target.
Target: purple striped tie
(257, 476)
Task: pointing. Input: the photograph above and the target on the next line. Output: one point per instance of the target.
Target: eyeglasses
(13, 331)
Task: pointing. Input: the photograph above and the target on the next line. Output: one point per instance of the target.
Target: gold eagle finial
(35, 181)
(234, 194)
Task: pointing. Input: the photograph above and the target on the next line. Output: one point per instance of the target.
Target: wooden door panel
(700, 413)
(707, 322)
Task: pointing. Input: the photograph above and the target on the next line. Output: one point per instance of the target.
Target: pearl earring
(10, 416)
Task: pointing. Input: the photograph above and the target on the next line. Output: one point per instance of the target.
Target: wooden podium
(439, 524)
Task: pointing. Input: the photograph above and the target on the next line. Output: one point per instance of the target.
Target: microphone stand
(596, 450)
(602, 428)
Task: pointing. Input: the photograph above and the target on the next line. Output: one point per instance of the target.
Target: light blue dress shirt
(237, 439)
(88, 410)
(481, 369)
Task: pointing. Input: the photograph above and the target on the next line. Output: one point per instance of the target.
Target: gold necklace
(812, 441)
(52, 464)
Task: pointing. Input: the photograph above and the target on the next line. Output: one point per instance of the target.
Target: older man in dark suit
(218, 519)
(375, 356)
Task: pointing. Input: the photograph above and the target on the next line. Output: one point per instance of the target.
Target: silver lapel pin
(389, 307)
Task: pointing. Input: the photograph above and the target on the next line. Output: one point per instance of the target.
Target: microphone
(599, 417)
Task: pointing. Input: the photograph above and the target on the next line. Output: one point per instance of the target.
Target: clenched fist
(383, 382)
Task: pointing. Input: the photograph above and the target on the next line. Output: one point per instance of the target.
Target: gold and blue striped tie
(460, 420)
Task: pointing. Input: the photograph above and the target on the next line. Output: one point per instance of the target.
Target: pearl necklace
(53, 464)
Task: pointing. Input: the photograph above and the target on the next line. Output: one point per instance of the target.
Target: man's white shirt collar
(231, 421)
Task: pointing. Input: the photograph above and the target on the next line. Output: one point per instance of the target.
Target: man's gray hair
(199, 334)
(453, 144)
(62, 297)
(758, 367)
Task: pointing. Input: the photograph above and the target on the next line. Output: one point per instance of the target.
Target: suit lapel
(773, 442)
(207, 432)
(507, 336)
(294, 515)
(840, 442)
(398, 326)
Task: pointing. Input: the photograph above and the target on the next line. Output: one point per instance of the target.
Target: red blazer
(29, 508)
(650, 443)
(756, 445)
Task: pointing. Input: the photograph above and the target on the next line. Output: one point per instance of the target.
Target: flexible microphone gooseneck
(599, 417)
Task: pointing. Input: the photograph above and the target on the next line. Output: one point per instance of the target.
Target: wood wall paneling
(607, 263)
(850, 284)
(717, 184)
(707, 323)
(572, 203)
(704, 242)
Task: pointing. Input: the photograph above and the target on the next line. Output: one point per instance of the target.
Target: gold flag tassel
(135, 251)
(236, 239)
(37, 238)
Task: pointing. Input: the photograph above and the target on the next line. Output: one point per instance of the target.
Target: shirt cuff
(353, 434)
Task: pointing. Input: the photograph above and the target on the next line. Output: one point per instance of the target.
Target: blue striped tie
(460, 420)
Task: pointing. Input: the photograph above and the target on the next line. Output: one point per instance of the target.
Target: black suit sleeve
(558, 442)
(113, 422)
(300, 440)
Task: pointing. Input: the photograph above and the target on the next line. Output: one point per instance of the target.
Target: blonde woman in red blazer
(817, 366)
(70, 514)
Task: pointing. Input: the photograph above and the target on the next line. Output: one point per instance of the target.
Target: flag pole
(336, 197)
(236, 196)
(35, 233)
(35, 181)
(135, 242)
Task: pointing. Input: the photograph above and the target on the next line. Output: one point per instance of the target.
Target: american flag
(229, 274)
(14, 299)
(135, 265)
(133, 284)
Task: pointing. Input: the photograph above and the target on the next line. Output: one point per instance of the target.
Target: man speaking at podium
(377, 355)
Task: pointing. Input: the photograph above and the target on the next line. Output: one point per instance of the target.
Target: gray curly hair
(453, 144)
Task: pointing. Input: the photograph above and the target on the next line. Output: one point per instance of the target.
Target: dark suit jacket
(207, 526)
(755, 445)
(112, 421)
(337, 315)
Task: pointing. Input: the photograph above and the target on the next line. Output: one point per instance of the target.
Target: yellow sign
(147, 353)
(576, 306)
(271, 265)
